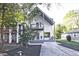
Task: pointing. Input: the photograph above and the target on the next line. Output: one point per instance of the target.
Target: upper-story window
(37, 24)
(40, 24)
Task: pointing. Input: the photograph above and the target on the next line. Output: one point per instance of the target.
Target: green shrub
(68, 37)
(27, 36)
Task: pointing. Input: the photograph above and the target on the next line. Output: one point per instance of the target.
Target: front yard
(73, 45)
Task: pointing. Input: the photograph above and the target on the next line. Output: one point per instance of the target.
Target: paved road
(52, 49)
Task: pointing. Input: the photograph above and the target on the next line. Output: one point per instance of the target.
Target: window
(37, 24)
(46, 34)
(74, 35)
(37, 35)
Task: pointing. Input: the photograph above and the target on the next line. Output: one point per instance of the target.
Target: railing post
(10, 36)
(17, 35)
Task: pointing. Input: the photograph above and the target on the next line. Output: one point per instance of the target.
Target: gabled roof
(46, 17)
(76, 30)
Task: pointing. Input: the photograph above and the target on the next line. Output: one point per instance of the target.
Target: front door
(13, 38)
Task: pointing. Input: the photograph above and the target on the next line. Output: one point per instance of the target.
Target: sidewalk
(52, 49)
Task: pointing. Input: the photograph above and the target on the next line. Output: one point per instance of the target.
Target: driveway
(52, 49)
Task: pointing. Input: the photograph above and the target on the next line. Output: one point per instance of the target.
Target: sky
(58, 10)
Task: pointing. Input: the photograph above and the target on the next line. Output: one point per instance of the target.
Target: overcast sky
(58, 10)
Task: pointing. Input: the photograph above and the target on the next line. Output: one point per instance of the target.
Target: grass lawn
(73, 45)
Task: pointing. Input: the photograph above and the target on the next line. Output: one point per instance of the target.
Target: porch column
(17, 35)
(10, 36)
(43, 35)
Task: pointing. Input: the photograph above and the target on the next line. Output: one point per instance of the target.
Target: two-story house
(43, 25)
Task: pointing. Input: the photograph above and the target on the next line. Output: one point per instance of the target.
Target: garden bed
(31, 50)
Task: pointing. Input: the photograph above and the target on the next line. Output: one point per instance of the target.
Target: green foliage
(72, 17)
(14, 13)
(19, 17)
(27, 35)
(7, 14)
(59, 29)
(33, 13)
(71, 14)
(28, 11)
(7, 17)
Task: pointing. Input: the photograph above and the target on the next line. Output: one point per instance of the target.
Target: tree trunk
(3, 14)
(2, 42)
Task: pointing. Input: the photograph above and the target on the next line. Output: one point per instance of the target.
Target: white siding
(47, 26)
(63, 36)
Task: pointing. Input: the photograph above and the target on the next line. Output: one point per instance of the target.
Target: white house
(73, 33)
(41, 23)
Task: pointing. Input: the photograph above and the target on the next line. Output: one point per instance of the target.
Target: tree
(10, 14)
(29, 14)
(27, 36)
(59, 29)
(72, 18)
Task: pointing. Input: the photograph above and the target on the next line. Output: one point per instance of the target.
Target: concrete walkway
(52, 49)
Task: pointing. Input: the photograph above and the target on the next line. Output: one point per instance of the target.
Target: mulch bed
(31, 50)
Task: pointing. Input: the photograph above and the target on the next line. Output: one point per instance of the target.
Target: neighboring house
(41, 23)
(73, 33)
